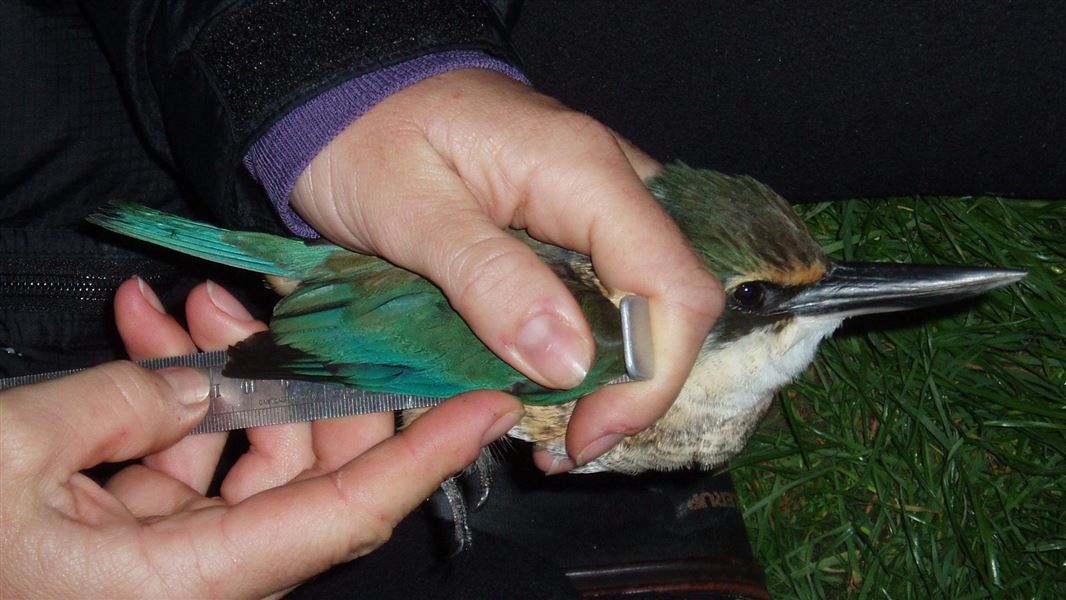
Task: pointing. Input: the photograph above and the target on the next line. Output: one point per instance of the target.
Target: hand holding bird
(429, 180)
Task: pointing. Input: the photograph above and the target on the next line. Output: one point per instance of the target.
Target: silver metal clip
(636, 338)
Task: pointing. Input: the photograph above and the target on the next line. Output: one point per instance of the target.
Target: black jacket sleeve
(206, 78)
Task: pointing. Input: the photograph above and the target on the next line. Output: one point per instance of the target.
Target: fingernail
(149, 295)
(190, 386)
(225, 302)
(502, 426)
(599, 447)
(560, 465)
(555, 350)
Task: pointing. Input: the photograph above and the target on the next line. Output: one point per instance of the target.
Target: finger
(684, 299)
(333, 518)
(217, 320)
(146, 329)
(433, 226)
(148, 332)
(504, 292)
(643, 165)
(608, 213)
(578, 188)
(192, 460)
(601, 419)
(646, 168)
(109, 413)
(337, 441)
(276, 454)
(146, 492)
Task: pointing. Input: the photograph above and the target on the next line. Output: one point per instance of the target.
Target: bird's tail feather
(253, 251)
(260, 356)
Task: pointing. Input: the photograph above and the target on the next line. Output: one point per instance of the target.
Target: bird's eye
(750, 295)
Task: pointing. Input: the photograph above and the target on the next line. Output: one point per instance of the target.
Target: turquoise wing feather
(252, 251)
(378, 327)
(359, 320)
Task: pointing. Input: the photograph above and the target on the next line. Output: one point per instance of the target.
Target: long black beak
(851, 289)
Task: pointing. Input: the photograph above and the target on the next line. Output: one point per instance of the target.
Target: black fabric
(258, 69)
(823, 100)
(613, 535)
(206, 79)
(413, 564)
(67, 142)
(576, 519)
(78, 131)
(56, 290)
(54, 314)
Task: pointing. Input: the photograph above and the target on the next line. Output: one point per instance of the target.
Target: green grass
(923, 455)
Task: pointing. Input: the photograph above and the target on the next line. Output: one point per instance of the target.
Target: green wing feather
(382, 328)
(252, 251)
(362, 321)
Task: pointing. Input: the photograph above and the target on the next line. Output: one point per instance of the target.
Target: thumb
(109, 413)
(508, 296)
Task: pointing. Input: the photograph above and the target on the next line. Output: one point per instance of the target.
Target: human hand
(153, 533)
(429, 178)
(276, 454)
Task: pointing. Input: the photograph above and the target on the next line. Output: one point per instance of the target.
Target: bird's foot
(483, 470)
(453, 492)
(478, 474)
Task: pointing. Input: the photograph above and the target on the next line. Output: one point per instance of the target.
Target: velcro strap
(265, 55)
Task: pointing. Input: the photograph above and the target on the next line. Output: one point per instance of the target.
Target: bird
(359, 320)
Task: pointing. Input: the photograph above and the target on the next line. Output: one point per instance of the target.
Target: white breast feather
(729, 387)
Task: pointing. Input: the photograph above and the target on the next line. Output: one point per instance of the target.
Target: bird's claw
(454, 492)
(482, 469)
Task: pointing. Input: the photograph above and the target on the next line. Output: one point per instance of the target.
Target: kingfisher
(359, 320)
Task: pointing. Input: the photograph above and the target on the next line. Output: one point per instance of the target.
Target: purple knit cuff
(279, 157)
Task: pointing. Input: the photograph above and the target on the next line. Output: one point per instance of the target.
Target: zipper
(68, 285)
(52, 293)
(56, 295)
